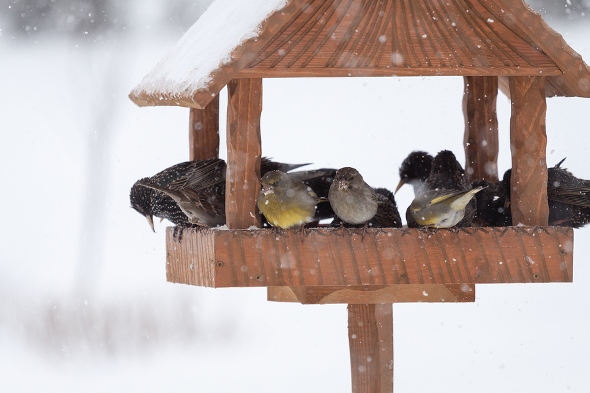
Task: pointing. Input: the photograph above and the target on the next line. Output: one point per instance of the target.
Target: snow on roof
(224, 26)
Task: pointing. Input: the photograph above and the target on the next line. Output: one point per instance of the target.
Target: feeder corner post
(203, 132)
(370, 338)
(528, 143)
(244, 150)
(480, 140)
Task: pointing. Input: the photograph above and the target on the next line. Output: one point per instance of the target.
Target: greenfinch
(439, 208)
(286, 202)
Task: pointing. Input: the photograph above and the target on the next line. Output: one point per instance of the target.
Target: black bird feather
(200, 186)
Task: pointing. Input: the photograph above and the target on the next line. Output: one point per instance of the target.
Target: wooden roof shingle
(298, 38)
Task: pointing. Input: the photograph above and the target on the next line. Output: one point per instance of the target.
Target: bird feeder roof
(319, 38)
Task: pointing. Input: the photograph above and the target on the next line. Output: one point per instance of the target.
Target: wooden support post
(370, 336)
(243, 153)
(481, 128)
(528, 142)
(203, 133)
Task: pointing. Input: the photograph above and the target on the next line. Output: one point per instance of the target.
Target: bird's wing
(209, 203)
(448, 194)
(575, 196)
(202, 175)
(319, 180)
(267, 165)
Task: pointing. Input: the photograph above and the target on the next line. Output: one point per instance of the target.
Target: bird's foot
(364, 231)
(302, 232)
(177, 233)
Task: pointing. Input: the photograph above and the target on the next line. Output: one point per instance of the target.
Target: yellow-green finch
(353, 200)
(439, 208)
(286, 202)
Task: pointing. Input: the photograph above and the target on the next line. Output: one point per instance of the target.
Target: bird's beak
(267, 189)
(400, 184)
(150, 221)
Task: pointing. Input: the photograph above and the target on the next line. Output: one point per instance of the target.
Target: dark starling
(446, 173)
(387, 214)
(149, 202)
(319, 180)
(568, 198)
(414, 170)
(197, 187)
(446, 176)
(493, 204)
(267, 165)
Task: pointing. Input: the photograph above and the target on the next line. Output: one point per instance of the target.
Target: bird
(353, 200)
(319, 180)
(493, 203)
(355, 203)
(414, 170)
(197, 188)
(150, 202)
(286, 202)
(447, 176)
(439, 208)
(568, 198)
(446, 173)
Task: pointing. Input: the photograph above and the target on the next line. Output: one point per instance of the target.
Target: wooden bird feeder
(491, 43)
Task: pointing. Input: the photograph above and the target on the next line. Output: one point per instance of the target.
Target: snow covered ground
(85, 304)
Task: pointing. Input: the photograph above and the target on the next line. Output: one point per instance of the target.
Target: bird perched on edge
(320, 181)
(356, 203)
(286, 202)
(443, 192)
(439, 208)
(154, 201)
(414, 170)
(567, 195)
(420, 169)
(446, 173)
(197, 188)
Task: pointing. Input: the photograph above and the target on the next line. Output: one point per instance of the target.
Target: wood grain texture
(528, 142)
(245, 258)
(370, 337)
(529, 25)
(203, 131)
(481, 128)
(376, 294)
(396, 37)
(243, 153)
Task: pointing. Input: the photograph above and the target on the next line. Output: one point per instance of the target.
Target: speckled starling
(446, 173)
(197, 187)
(149, 202)
(414, 170)
(568, 198)
(493, 203)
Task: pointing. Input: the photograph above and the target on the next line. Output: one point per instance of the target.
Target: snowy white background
(84, 303)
